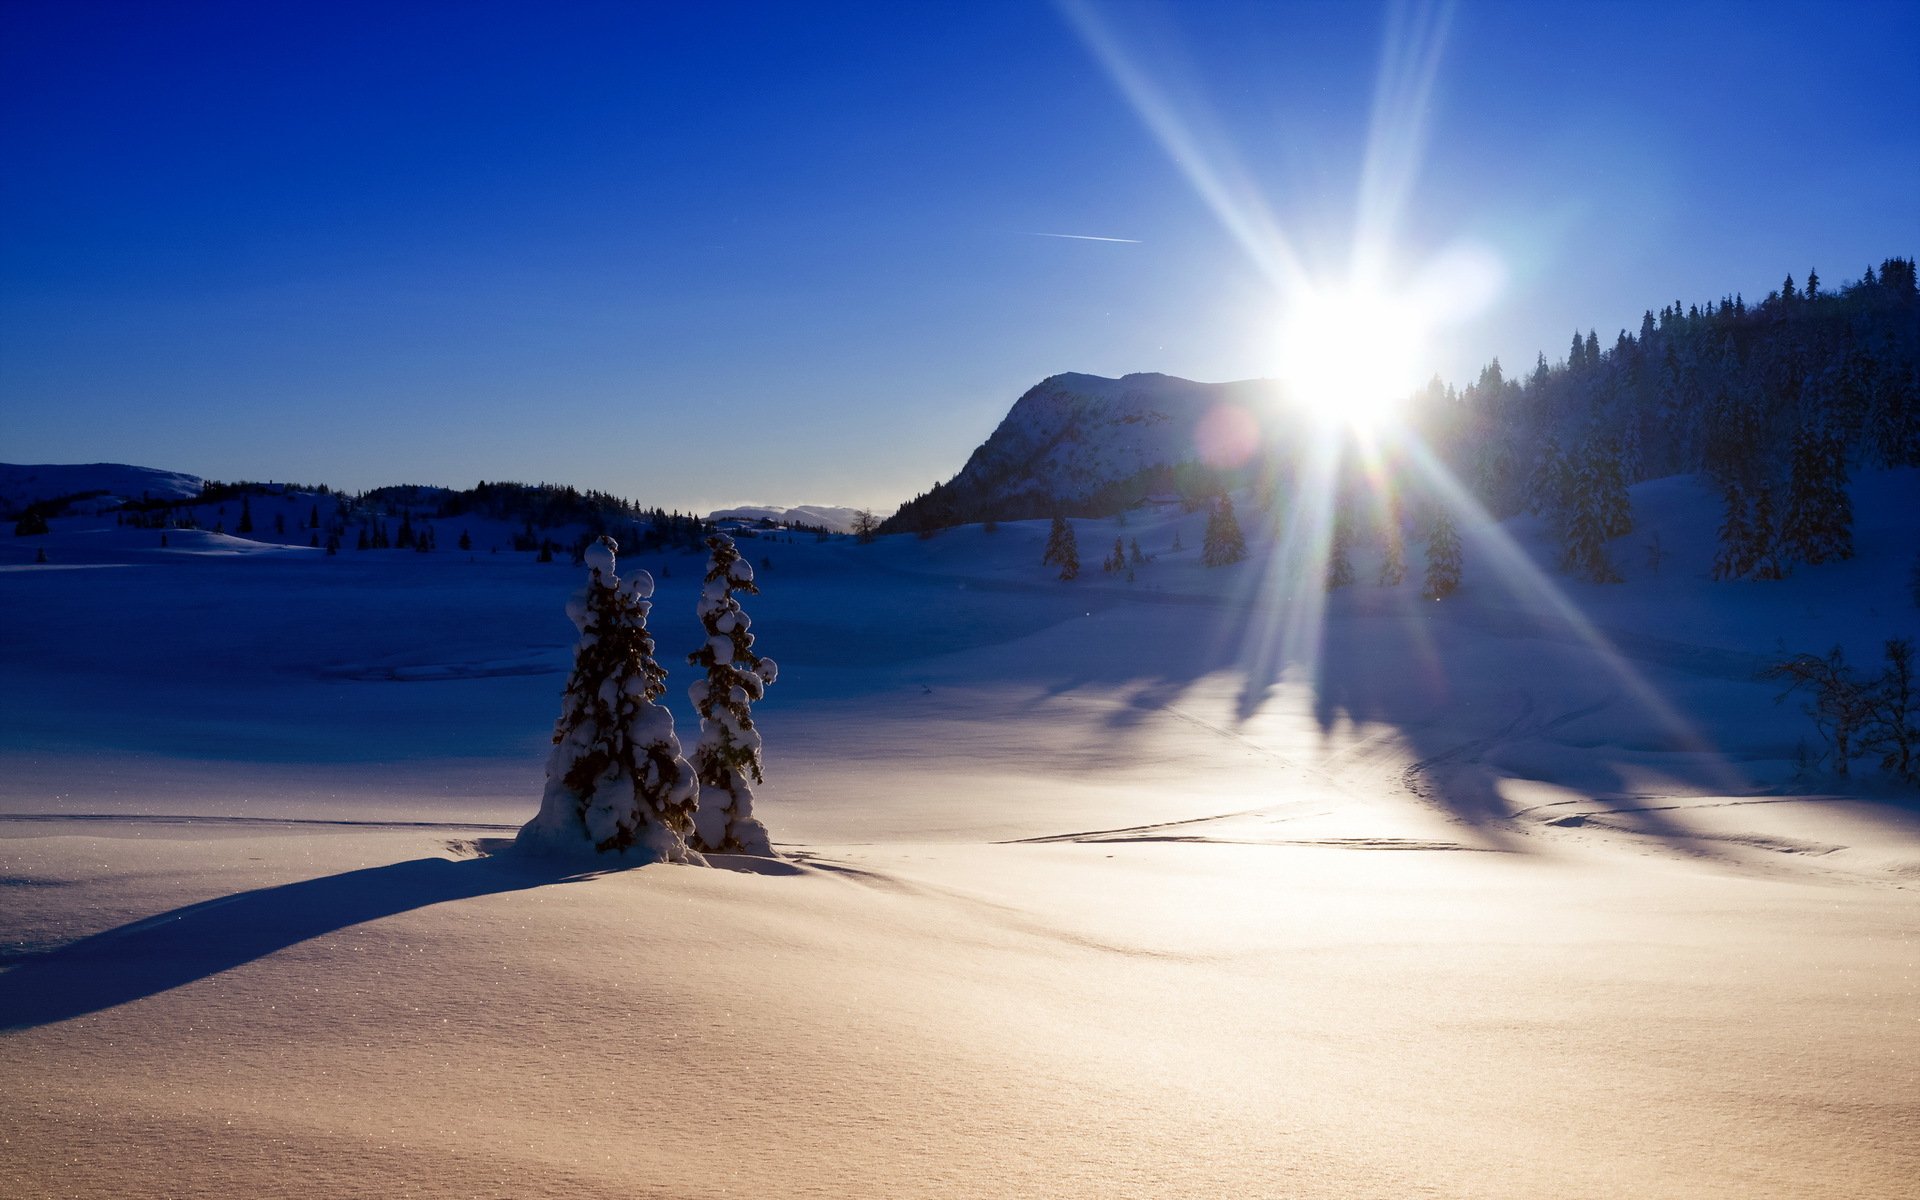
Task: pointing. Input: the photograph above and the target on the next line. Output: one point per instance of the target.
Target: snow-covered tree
(1063, 549)
(1339, 562)
(1224, 544)
(616, 781)
(1818, 526)
(1134, 555)
(1443, 556)
(1764, 549)
(1594, 500)
(727, 755)
(1116, 561)
(1735, 557)
(1393, 561)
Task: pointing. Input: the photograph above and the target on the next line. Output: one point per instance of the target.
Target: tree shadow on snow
(160, 953)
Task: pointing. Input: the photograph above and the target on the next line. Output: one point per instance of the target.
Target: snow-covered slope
(1072, 438)
(22, 484)
(826, 516)
(1103, 888)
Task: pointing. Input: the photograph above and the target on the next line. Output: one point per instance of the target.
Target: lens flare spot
(1227, 436)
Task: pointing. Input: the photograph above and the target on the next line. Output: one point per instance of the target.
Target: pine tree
(1608, 466)
(1339, 565)
(246, 516)
(1224, 544)
(32, 523)
(1063, 549)
(1116, 561)
(361, 543)
(1595, 508)
(1735, 556)
(1443, 557)
(1547, 485)
(1134, 556)
(616, 780)
(1764, 548)
(728, 752)
(1818, 526)
(1393, 561)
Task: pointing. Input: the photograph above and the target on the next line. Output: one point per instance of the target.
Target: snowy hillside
(820, 516)
(110, 484)
(1074, 438)
(1189, 881)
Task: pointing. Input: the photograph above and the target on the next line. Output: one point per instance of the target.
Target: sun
(1351, 354)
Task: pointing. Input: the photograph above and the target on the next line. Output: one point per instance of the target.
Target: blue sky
(713, 253)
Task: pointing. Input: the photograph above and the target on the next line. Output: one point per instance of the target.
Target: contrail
(1087, 237)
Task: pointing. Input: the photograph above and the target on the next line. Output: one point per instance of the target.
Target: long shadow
(157, 954)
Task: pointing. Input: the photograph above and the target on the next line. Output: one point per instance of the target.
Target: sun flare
(1351, 355)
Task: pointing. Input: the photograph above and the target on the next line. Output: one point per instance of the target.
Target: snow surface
(1089, 891)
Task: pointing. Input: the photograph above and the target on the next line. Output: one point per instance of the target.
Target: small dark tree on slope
(1224, 544)
(1893, 729)
(32, 523)
(1837, 703)
(1393, 561)
(1063, 549)
(616, 781)
(727, 755)
(1764, 550)
(1594, 502)
(1339, 563)
(1443, 557)
(1116, 561)
(865, 526)
(1818, 525)
(1735, 556)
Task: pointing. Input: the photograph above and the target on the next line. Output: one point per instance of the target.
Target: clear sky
(709, 253)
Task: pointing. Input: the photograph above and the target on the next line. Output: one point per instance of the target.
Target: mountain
(824, 516)
(1086, 444)
(89, 486)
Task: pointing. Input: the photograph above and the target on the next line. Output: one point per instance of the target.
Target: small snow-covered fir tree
(1818, 525)
(1063, 549)
(1339, 562)
(1116, 561)
(1224, 544)
(616, 781)
(1735, 557)
(1393, 560)
(1443, 556)
(1590, 507)
(1764, 547)
(727, 755)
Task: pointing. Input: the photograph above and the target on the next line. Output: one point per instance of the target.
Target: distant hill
(822, 516)
(88, 487)
(1087, 445)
